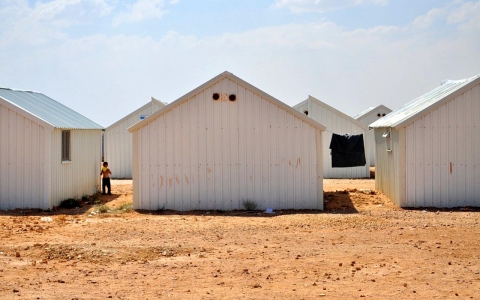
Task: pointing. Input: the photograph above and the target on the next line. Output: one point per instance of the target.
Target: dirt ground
(361, 246)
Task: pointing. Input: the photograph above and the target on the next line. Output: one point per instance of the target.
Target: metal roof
(370, 109)
(47, 109)
(426, 103)
(364, 112)
(161, 103)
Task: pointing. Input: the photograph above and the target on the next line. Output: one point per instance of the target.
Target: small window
(65, 145)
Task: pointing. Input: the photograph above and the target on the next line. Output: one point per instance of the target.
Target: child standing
(105, 172)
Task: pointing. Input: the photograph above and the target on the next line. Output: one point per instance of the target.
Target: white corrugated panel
(118, 140)
(339, 123)
(390, 166)
(205, 154)
(81, 175)
(22, 159)
(443, 154)
(366, 118)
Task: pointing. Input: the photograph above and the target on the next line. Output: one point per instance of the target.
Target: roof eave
(212, 81)
(135, 111)
(279, 103)
(370, 111)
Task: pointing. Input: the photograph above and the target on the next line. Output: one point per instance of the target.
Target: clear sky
(106, 58)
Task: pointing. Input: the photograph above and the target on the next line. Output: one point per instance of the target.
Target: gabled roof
(153, 101)
(46, 110)
(370, 109)
(333, 110)
(426, 103)
(211, 82)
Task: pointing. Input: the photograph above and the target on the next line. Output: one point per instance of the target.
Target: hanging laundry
(347, 151)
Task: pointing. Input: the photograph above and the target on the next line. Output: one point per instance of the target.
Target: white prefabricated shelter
(339, 123)
(48, 152)
(118, 140)
(428, 151)
(367, 117)
(223, 143)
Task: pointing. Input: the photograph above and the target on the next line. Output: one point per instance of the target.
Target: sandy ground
(361, 246)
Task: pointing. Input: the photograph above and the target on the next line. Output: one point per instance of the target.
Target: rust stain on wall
(161, 181)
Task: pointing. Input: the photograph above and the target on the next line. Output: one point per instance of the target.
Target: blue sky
(105, 58)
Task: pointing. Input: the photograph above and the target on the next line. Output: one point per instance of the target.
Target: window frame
(66, 146)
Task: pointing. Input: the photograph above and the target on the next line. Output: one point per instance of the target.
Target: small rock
(16, 291)
(17, 254)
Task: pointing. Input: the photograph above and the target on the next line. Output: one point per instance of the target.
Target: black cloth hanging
(347, 151)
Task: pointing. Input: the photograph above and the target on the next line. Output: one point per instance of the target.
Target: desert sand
(360, 246)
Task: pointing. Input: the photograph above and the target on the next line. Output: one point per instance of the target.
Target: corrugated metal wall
(339, 125)
(390, 166)
(206, 154)
(118, 141)
(443, 154)
(80, 176)
(22, 159)
(370, 136)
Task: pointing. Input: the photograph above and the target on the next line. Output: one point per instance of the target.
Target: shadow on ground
(85, 205)
(339, 202)
(334, 202)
